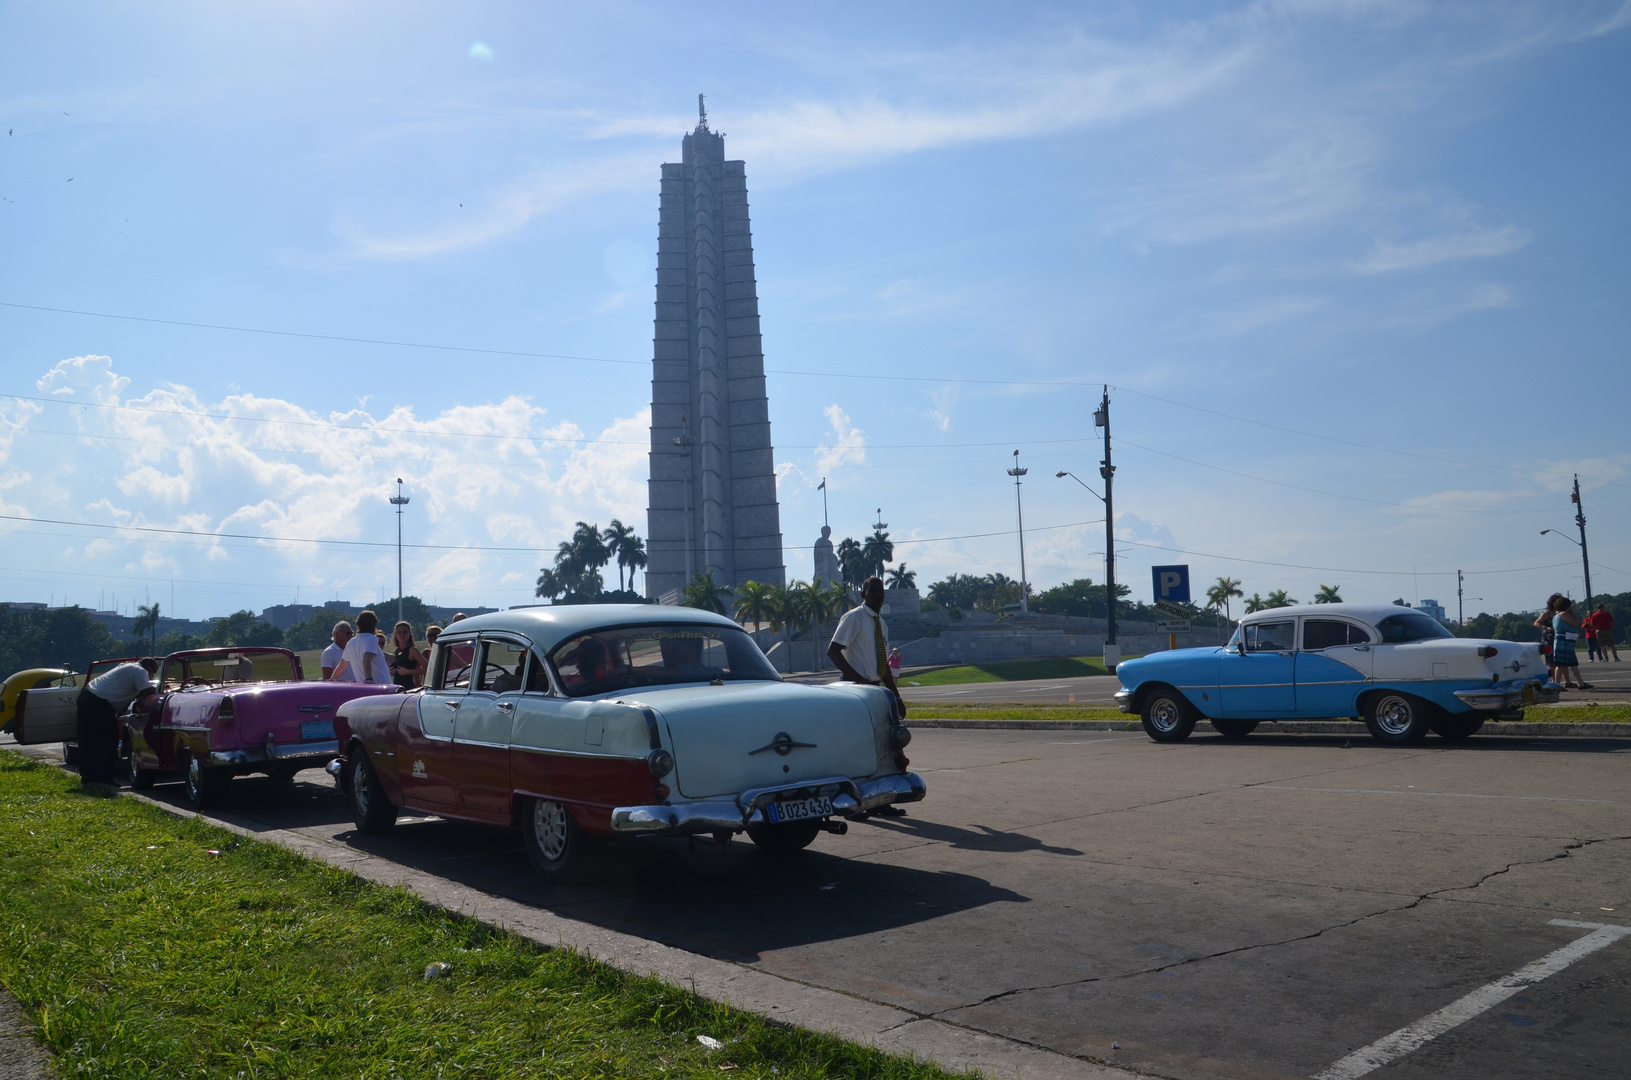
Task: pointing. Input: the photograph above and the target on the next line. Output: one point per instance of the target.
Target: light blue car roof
(548, 626)
(1365, 613)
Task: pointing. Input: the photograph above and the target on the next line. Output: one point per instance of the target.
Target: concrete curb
(778, 999)
(1284, 727)
(22, 1056)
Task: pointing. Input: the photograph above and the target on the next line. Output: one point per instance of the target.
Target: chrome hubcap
(1394, 715)
(195, 776)
(549, 828)
(359, 788)
(1164, 714)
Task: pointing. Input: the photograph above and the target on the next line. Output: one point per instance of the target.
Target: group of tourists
(1561, 627)
(363, 655)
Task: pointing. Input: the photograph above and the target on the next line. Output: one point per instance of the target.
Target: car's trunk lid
(728, 739)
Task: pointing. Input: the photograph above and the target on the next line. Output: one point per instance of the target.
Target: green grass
(147, 946)
(1063, 667)
(1573, 714)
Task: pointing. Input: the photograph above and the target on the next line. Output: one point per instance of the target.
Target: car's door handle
(506, 706)
(451, 704)
(1361, 648)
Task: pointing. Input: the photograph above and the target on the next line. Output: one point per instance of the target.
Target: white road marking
(1430, 1027)
(1437, 794)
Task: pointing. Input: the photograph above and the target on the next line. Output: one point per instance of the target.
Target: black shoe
(1586, 686)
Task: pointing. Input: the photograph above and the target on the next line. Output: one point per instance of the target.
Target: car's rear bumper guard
(1506, 696)
(321, 753)
(720, 815)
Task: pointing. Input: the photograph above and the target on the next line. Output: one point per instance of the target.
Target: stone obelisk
(712, 495)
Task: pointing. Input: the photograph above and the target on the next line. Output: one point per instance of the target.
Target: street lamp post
(399, 501)
(1019, 507)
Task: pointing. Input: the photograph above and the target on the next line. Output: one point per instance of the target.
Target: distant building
(1433, 608)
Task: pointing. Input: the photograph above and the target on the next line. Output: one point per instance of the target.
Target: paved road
(1255, 909)
(1611, 682)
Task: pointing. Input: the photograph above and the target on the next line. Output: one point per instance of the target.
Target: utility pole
(1580, 520)
(1019, 507)
(399, 501)
(1460, 614)
(1112, 650)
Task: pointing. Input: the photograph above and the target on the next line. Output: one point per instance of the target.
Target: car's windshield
(1398, 629)
(606, 661)
(227, 667)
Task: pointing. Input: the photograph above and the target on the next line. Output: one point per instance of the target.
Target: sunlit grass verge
(1058, 667)
(146, 946)
(1572, 714)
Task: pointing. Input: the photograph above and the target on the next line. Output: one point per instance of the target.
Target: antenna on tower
(702, 112)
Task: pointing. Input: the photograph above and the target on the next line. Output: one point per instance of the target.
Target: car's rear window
(1329, 633)
(620, 658)
(1398, 629)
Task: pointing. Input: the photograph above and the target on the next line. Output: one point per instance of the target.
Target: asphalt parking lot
(1218, 909)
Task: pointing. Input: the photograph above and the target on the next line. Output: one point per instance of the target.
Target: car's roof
(547, 626)
(228, 650)
(1368, 613)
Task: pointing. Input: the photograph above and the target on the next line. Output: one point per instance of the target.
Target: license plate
(1529, 692)
(798, 809)
(317, 729)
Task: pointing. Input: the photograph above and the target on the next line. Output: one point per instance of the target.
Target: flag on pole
(823, 485)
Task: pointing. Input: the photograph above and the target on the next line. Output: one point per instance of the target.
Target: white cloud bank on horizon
(492, 475)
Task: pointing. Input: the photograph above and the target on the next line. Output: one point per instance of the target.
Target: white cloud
(847, 445)
(1386, 257)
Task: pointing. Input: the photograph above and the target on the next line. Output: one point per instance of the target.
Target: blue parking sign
(1171, 583)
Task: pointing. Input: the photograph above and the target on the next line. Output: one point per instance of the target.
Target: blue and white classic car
(574, 722)
(1400, 670)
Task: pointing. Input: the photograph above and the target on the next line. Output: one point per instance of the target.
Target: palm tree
(147, 622)
(1218, 595)
(617, 537)
(1328, 595)
(876, 551)
(755, 600)
(1256, 603)
(631, 554)
(704, 593)
(1278, 598)
(851, 562)
(902, 578)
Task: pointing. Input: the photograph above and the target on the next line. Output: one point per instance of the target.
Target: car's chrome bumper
(1124, 700)
(849, 797)
(272, 753)
(1506, 696)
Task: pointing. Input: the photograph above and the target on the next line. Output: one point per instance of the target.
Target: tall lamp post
(1107, 470)
(1019, 508)
(399, 501)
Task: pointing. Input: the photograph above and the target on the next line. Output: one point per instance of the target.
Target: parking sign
(1171, 583)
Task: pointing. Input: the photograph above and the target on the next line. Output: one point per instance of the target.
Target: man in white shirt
(860, 650)
(331, 655)
(363, 660)
(98, 708)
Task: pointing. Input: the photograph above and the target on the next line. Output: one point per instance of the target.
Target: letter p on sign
(1171, 583)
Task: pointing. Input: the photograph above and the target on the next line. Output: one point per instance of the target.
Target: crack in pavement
(1568, 849)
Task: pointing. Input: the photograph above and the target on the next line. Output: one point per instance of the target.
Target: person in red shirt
(1602, 621)
(1589, 629)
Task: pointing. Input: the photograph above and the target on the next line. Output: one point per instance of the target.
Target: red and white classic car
(620, 720)
(233, 711)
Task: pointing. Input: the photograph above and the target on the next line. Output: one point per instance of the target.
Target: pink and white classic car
(229, 712)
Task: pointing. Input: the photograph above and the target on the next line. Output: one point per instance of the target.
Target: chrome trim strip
(291, 752)
(570, 753)
(487, 745)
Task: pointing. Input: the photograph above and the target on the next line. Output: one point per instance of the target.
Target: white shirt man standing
(331, 655)
(860, 651)
(364, 661)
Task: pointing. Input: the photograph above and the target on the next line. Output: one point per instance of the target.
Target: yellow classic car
(31, 679)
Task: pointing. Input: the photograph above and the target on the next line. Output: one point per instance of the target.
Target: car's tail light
(1487, 651)
(660, 762)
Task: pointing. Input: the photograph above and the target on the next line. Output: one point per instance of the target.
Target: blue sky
(1356, 273)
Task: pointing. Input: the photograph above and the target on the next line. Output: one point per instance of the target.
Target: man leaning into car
(99, 706)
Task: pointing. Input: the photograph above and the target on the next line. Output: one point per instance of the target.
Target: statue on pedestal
(826, 561)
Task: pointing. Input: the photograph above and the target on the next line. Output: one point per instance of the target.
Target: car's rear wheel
(370, 808)
(204, 785)
(555, 843)
(1235, 729)
(1396, 719)
(784, 839)
(1167, 715)
(1457, 728)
